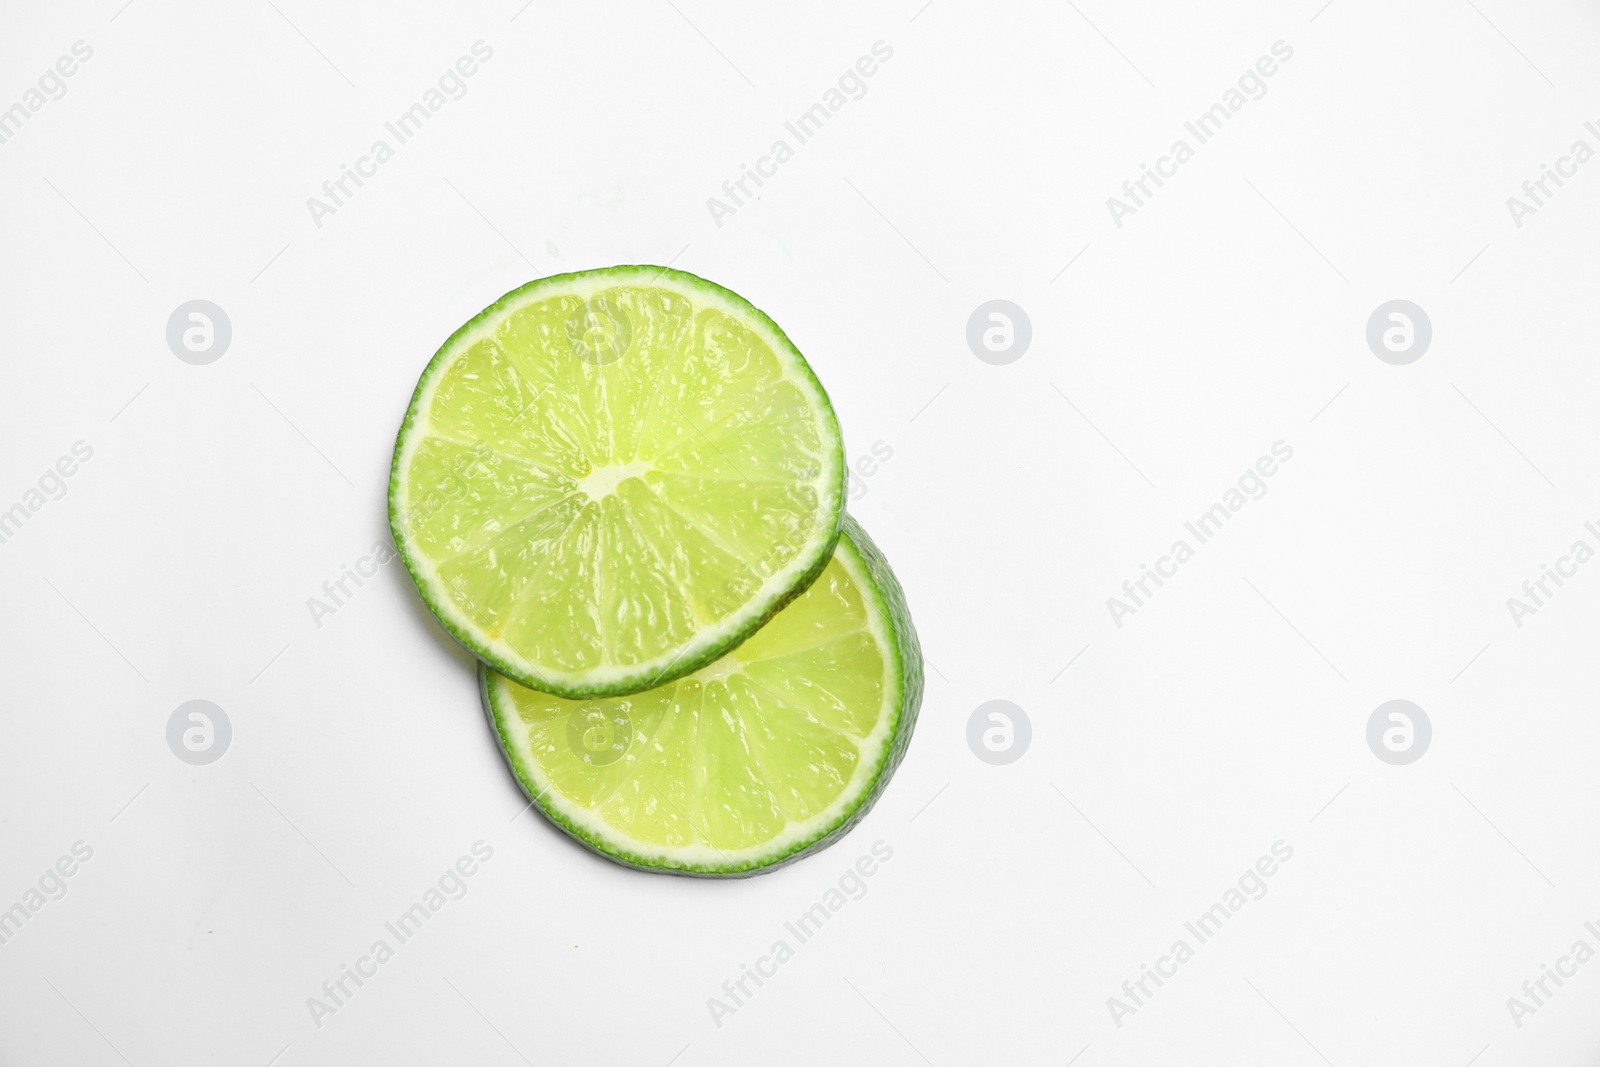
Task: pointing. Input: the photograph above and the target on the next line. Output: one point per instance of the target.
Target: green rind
(678, 668)
(907, 652)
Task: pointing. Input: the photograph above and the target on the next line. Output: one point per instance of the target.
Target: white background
(1227, 714)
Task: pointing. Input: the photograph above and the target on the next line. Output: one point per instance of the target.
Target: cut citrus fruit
(607, 479)
(770, 753)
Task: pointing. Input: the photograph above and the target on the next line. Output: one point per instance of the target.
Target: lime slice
(607, 479)
(768, 754)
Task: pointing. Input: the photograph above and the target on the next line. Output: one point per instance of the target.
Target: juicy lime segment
(606, 479)
(767, 754)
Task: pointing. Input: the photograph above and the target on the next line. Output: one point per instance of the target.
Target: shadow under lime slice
(607, 479)
(768, 754)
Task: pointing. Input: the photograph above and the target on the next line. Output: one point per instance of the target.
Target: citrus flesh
(766, 755)
(607, 479)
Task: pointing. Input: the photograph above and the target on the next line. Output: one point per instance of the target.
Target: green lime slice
(770, 753)
(607, 479)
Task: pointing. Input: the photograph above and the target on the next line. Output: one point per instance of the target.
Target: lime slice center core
(603, 481)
